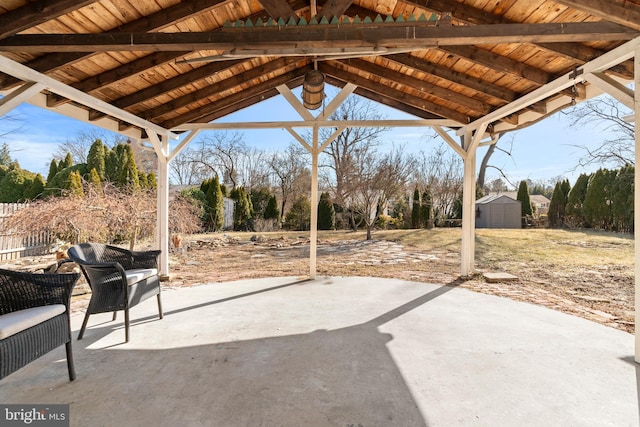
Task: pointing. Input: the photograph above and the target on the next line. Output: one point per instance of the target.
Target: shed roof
(171, 62)
(496, 198)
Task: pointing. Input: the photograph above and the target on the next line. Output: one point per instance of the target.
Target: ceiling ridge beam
(410, 35)
(319, 123)
(35, 13)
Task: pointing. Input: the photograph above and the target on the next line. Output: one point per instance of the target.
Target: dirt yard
(584, 274)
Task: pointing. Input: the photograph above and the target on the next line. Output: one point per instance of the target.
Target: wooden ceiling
(173, 62)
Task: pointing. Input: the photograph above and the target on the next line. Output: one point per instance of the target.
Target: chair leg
(160, 306)
(84, 325)
(126, 324)
(114, 316)
(70, 367)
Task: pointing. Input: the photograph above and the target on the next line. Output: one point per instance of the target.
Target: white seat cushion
(18, 321)
(138, 274)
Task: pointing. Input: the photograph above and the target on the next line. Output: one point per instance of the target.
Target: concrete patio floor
(339, 352)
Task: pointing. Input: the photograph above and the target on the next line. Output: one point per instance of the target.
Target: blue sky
(540, 152)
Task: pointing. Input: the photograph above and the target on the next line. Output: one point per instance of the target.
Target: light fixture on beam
(313, 90)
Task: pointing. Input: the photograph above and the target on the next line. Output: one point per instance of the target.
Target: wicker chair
(34, 318)
(119, 279)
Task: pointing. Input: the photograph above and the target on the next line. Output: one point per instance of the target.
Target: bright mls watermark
(34, 415)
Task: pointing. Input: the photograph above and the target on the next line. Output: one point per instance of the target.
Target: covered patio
(330, 350)
(340, 351)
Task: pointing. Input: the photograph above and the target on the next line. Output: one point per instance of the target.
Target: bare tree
(605, 114)
(341, 157)
(192, 166)
(442, 171)
(290, 174)
(376, 179)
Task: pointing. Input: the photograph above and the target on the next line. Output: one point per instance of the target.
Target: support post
(468, 207)
(313, 244)
(163, 205)
(636, 202)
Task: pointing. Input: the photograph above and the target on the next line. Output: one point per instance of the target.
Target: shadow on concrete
(343, 377)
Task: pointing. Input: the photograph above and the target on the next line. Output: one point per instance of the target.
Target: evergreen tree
(36, 189)
(96, 158)
(556, 207)
(426, 209)
(67, 162)
(128, 177)
(142, 179)
(111, 165)
(15, 184)
(259, 200)
(326, 213)
(152, 182)
(215, 205)
(94, 181)
(5, 155)
(416, 219)
(75, 184)
(598, 201)
(523, 196)
(243, 210)
(299, 216)
(53, 170)
(623, 207)
(575, 210)
(272, 211)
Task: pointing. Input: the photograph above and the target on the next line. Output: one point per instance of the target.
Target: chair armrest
(146, 259)
(22, 290)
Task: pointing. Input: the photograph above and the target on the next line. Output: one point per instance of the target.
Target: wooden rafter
(301, 39)
(36, 12)
(417, 102)
(421, 85)
(156, 113)
(487, 88)
(279, 9)
(154, 22)
(236, 102)
(617, 11)
(333, 8)
(581, 53)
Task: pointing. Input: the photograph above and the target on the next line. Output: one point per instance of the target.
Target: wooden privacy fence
(13, 245)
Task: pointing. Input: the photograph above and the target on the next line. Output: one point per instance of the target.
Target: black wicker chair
(119, 279)
(34, 318)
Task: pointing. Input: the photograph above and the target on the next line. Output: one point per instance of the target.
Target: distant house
(539, 202)
(498, 211)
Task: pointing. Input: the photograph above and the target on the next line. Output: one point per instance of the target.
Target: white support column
(468, 208)
(313, 245)
(468, 249)
(636, 203)
(162, 227)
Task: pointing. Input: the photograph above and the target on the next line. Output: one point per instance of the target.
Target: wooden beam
(305, 40)
(238, 101)
(621, 12)
(384, 100)
(403, 97)
(172, 84)
(462, 79)
(420, 85)
(156, 113)
(279, 9)
(469, 15)
(333, 8)
(36, 12)
(500, 63)
(153, 22)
